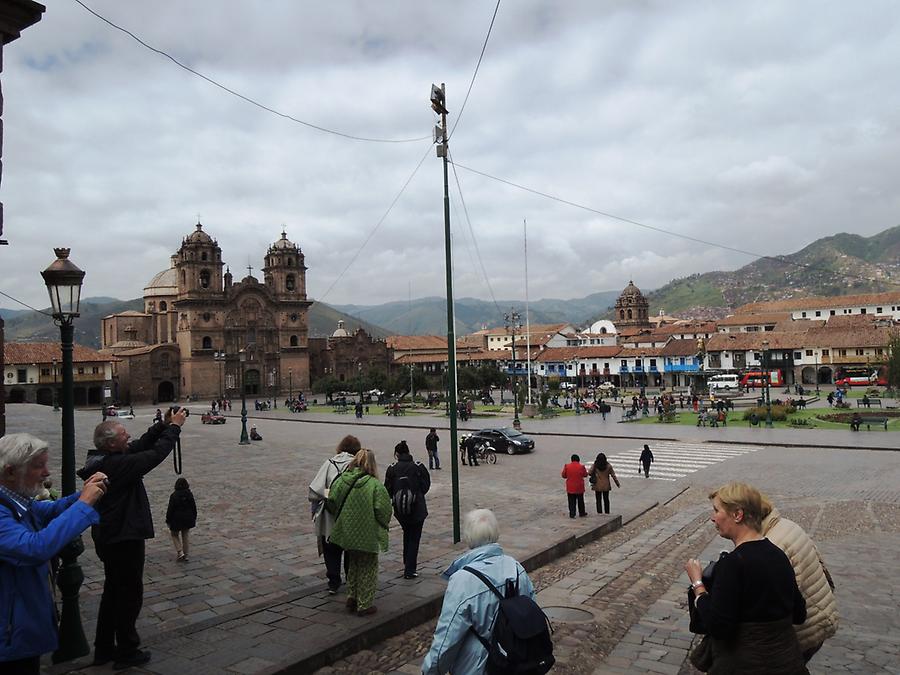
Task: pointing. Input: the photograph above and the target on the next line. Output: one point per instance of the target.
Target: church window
(290, 262)
(203, 255)
(629, 313)
(164, 360)
(294, 341)
(183, 277)
(204, 278)
(293, 317)
(289, 282)
(207, 342)
(206, 316)
(163, 306)
(621, 313)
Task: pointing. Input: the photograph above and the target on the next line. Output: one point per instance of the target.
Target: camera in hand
(175, 408)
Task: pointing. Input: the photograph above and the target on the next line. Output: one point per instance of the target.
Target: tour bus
(757, 378)
(724, 383)
(852, 377)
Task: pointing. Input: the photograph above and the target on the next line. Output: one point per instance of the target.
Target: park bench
(869, 420)
(547, 413)
(629, 416)
(869, 403)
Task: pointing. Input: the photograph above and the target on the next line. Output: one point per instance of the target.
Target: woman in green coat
(362, 511)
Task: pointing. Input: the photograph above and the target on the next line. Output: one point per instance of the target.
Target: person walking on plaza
(181, 517)
(431, 446)
(407, 483)
(470, 608)
(323, 519)
(32, 532)
(125, 523)
(813, 578)
(600, 478)
(646, 460)
(575, 473)
(362, 512)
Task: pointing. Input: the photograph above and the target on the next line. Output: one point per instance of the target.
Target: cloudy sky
(761, 125)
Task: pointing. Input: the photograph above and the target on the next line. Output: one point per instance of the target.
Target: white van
(723, 383)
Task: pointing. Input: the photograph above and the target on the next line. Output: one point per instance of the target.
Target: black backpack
(404, 499)
(520, 638)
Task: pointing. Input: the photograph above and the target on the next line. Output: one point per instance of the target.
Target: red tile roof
(16, 353)
(405, 343)
(822, 302)
(754, 319)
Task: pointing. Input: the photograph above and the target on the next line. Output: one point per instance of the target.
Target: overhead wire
(377, 225)
(660, 230)
(25, 304)
(475, 74)
(243, 97)
(472, 235)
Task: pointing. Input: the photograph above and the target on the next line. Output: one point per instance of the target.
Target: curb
(429, 607)
(565, 434)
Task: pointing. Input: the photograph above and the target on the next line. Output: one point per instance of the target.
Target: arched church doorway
(165, 392)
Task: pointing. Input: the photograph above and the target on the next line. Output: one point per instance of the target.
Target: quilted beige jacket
(821, 611)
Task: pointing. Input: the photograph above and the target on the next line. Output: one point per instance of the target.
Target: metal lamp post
(63, 280)
(513, 321)
(274, 384)
(291, 385)
(768, 376)
(816, 352)
(55, 395)
(245, 439)
(220, 359)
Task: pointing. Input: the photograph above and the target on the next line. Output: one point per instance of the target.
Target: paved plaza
(252, 598)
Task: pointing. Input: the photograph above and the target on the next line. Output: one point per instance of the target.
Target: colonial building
(197, 322)
(32, 373)
(347, 357)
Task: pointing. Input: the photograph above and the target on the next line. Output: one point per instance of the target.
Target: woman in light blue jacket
(468, 603)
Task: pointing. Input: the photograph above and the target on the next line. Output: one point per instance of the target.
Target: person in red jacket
(575, 473)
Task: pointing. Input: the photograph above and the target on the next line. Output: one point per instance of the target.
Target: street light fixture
(768, 376)
(220, 358)
(514, 322)
(63, 280)
(245, 439)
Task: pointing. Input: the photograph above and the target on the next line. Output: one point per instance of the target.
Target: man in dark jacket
(407, 482)
(125, 522)
(431, 446)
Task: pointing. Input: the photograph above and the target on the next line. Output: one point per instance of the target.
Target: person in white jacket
(813, 578)
(324, 521)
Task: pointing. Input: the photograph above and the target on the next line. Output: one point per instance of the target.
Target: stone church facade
(197, 320)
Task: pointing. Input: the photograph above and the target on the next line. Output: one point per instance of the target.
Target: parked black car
(505, 439)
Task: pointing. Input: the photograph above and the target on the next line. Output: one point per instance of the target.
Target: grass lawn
(736, 419)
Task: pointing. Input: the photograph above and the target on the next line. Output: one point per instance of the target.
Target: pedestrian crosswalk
(674, 460)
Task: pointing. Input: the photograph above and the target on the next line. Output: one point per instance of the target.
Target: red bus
(757, 378)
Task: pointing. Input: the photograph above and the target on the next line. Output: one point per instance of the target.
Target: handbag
(701, 656)
(708, 578)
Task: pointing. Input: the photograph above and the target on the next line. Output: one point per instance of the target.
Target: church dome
(632, 291)
(164, 283)
(340, 331)
(198, 236)
(284, 242)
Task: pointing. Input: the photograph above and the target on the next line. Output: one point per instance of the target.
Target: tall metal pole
(55, 392)
(245, 439)
(438, 99)
(72, 643)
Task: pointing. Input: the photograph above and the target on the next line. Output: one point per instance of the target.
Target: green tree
(328, 385)
(893, 361)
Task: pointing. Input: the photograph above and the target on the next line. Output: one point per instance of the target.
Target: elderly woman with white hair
(31, 533)
(470, 607)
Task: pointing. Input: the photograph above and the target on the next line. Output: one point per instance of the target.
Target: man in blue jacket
(125, 523)
(31, 533)
(468, 604)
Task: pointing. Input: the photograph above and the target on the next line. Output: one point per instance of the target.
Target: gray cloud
(762, 126)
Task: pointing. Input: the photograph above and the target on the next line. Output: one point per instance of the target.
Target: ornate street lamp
(63, 280)
(513, 321)
(245, 439)
(291, 385)
(768, 375)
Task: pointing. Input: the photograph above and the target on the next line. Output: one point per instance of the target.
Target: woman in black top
(749, 611)
(181, 517)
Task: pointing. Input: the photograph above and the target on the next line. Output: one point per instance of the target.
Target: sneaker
(414, 575)
(367, 611)
(137, 658)
(101, 657)
(181, 557)
(332, 590)
(351, 604)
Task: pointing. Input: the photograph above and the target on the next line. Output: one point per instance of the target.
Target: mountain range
(841, 264)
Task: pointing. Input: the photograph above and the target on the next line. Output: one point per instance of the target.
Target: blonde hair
(365, 460)
(736, 497)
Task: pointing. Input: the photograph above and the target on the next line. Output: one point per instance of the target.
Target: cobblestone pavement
(253, 595)
(632, 581)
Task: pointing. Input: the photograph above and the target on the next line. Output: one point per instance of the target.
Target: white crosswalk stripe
(674, 460)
